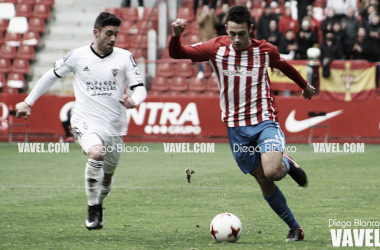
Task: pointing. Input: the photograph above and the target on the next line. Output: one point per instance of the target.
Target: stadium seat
(15, 80)
(12, 39)
(3, 80)
(127, 27)
(30, 2)
(2, 38)
(184, 69)
(31, 38)
(143, 27)
(9, 1)
(165, 54)
(5, 65)
(129, 14)
(165, 69)
(196, 85)
(3, 25)
(139, 53)
(36, 24)
(194, 28)
(46, 2)
(24, 10)
(41, 11)
(150, 14)
(20, 66)
(207, 70)
(7, 51)
(191, 39)
(7, 10)
(178, 85)
(114, 10)
(122, 41)
(139, 41)
(185, 13)
(160, 85)
(187, 3)
(212, 86)
(18, 24)
(25, 52)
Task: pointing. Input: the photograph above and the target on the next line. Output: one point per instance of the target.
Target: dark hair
(104, 19)
(240, 14)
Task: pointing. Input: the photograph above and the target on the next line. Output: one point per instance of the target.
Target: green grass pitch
(152, 206)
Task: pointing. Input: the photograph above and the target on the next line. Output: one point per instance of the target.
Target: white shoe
(200, 75)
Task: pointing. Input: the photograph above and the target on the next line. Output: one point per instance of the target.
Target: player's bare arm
(178, 26)
(23, 109)
(308, 92)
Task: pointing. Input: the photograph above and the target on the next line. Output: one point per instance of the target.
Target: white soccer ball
(226, 227)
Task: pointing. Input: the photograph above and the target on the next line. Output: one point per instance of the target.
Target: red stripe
(248, 91)
(225, 87)
(237, 89)
(259, 85)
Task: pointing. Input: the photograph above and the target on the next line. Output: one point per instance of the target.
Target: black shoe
(295, 234)
(296, 172)
(95, 217)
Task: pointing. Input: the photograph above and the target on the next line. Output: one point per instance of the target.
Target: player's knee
(274, 172)
(96, 153)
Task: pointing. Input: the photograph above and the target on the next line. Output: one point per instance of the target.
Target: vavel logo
(167, 118)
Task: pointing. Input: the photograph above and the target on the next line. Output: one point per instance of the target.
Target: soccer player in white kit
(102, 73)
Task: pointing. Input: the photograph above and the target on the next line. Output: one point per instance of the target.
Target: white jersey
(99, 83)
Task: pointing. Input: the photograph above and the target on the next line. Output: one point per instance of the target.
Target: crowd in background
(350, 29)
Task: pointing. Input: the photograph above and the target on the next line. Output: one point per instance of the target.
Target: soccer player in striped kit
(249, 110)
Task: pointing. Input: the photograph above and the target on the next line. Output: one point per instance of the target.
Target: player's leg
(276, 200)
(111, 159)
(276, 163)
(92, 145)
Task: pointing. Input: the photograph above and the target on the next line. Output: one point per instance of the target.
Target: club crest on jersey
(115, 71)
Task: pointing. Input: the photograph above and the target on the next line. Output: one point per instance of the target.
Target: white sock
(105, 190)
(93, 178)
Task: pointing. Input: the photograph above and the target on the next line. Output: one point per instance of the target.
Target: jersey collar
(100, 56)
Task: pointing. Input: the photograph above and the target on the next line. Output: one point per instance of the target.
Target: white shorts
(88, 138)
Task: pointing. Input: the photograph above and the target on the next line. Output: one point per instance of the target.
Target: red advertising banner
(198, 118)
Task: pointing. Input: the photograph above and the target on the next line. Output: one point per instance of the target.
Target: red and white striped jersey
(246, 96)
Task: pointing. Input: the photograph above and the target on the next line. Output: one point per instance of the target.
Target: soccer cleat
(95, 218)
(295, 234)
(296, 172)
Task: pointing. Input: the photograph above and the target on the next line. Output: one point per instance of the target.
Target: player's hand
(23, 109)
(128, 102)
(178, 26)
(308, 92)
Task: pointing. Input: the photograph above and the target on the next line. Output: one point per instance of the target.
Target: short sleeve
(65, 65)
(132, 73)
